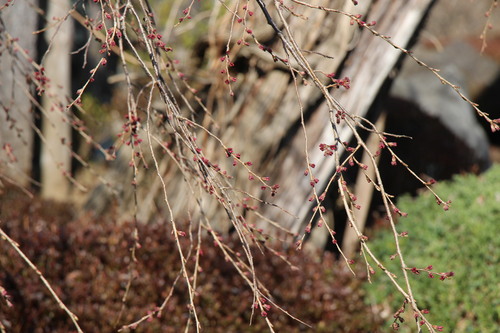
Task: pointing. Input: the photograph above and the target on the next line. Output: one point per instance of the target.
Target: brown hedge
(87, 263)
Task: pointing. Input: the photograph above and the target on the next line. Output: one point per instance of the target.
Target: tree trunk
(18, 21)
(56, 145)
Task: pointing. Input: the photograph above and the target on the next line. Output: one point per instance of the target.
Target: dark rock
(442, 124)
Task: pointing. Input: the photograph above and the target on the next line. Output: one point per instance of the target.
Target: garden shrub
(87, 261)
(463, 240)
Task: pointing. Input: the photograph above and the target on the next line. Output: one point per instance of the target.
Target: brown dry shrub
(87, 263)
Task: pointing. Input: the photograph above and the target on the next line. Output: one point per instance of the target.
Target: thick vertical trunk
(56, 147)
(17, 21)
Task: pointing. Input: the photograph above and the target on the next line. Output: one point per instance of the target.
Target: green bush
(463, 240)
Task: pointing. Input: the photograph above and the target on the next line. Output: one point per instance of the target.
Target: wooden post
(56, 151)
(363, 191)
(16, 117)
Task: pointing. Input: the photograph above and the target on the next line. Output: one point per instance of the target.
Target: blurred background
(91, 150)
